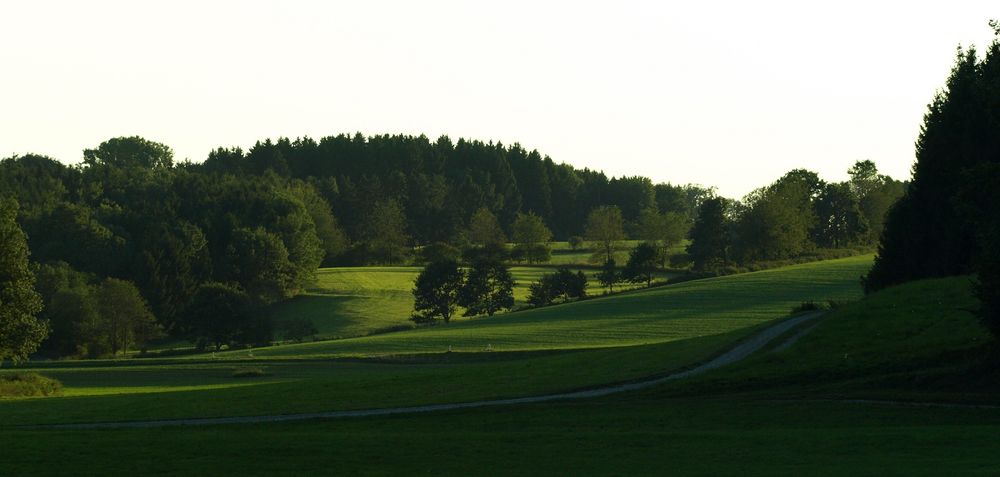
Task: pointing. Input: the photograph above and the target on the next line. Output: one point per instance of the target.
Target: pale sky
(719, 93)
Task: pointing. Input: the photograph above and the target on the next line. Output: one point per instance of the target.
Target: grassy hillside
(919, 340)
(681, 311)
(769, 415)
(356, 301)
(674, 315)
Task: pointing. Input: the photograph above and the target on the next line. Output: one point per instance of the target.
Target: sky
(725, 94)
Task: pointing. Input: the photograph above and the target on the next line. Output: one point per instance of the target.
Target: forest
(131, 245)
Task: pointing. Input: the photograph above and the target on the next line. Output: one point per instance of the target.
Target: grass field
(916, 341)
(675, 312)
(624, 436)
(683, 323)
(357, 301)
(769, 415)
(563, 254)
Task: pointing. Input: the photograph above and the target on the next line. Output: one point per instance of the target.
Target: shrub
(28, 385)
(250, 372)
(561, 284)
(806, 306)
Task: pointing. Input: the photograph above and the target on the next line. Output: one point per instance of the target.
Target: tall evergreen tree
(926, 234)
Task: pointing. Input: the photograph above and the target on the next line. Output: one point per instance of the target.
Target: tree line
(948, 223)
(796, 214)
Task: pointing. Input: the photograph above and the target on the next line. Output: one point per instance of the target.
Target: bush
(561, 284)
(806, 306)
(252, 372)
(28, 385)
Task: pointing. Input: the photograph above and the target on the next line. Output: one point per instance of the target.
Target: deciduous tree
(124, 315)
(488, 288)
(604, 228)
(20, 331)
(435, 292)
(531, 237)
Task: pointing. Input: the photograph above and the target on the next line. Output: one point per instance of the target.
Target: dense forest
(194, 248)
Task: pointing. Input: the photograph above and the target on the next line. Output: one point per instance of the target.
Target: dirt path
(740, 351)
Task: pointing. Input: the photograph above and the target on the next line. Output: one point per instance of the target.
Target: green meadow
(669, 313)
(557, 348)
(357, 301)
(805, 406)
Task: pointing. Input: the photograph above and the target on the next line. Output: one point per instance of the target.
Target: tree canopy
(20, 331)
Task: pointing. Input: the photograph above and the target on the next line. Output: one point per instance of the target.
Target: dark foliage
(562, 285)
(642, 263)
(941, 225)
(218, 315)
(710, 235)
(20, 332)
(609, 276)
(436, 292)
(488, 288)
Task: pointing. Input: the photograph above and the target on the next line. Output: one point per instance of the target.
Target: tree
(562, 284)
(125, 317)
(929, 232)
(575, 242)
(651, 225)
(875, 206)
(68, 306)
(609, 275)
(385, 230)
(604, 228)
(439, 252)
(130, 152)
(435, 292)
(776, 220)
(531, 237)
(334, 240)
(20, 331)
(216, 315)
(641, 264)
(676, 227)
(662, 230)
(484, 229)
(865, 178)
(488, 288)
(839, 219)
(258, 260)
(494, 252)
(710, 235)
